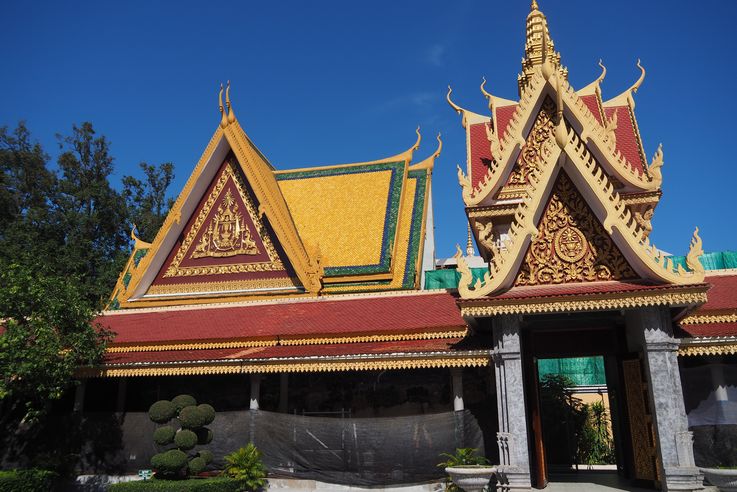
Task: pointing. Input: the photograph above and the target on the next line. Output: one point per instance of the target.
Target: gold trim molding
(289, 342)
(618, 301)
(698, 319)
(301, 365)
(713, 349)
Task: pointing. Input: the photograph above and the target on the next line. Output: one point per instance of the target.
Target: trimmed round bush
(207, 413)
(162, 411)
(164, 435)
(185, 439)
(206, 455)
(196, 465)
(204, 435)
(182, 401)
(192, 417)
(169, 462)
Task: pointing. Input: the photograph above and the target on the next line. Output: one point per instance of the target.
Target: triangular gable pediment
(571, 244)
(171, 268)
(225, 245)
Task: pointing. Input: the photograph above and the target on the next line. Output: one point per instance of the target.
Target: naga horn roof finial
(603, 72)
(419, 139)
(637, 84)
(231, 114)
(440, 146)
(452, 104)
(223, 116)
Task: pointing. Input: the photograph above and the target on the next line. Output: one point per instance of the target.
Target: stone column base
(512, 479)
(686, 478)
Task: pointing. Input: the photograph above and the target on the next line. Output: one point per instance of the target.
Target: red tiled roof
(480, 152)
(592, 102)
(723, 293)
(278, 352)
(362, 315)
(503, 117)
(711, 329)
(627, 141)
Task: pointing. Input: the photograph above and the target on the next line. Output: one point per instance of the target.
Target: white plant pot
(471, 478)
(725, 479)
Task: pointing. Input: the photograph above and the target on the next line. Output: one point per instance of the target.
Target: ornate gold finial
(488, 96)
(223, 116)
(603, 72)
(231, 114)
(654, 169)
(138, 243)
(694, 252)
(539, 48)
(452, 104)
(419, 139)
(440, 146)
(637, 84)
(469, 243)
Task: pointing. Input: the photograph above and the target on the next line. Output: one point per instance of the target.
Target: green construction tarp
(583, 371)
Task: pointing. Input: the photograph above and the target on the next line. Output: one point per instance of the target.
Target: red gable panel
(592, 102)
(480, 152)
(628, 142)
(225, 245)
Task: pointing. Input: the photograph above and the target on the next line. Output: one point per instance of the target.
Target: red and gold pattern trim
(356, 363)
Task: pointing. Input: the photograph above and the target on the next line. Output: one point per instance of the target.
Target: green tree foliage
(91, 213)
(146, 199)
(47, 335)
(63, 241)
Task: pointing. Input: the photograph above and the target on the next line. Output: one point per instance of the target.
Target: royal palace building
(262, 295)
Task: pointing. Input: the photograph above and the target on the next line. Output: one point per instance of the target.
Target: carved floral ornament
(571, 245)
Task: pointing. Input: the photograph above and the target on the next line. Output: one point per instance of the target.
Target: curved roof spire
(539, 47)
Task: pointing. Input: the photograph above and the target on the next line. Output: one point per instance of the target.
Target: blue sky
(318, 83)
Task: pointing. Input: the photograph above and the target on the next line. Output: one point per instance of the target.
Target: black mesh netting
(362, 451)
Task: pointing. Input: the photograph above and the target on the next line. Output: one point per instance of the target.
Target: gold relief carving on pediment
(227, 233)
(223, 238)
(571, 245)
(536, 148)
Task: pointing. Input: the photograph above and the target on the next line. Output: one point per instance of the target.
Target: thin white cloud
(435, 55)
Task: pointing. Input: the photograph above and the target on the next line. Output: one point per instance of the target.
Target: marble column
(651, 329)
(456, 375)
(514, 466)
(255, 391)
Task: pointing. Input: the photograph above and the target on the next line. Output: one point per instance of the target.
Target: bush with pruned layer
(183, 428)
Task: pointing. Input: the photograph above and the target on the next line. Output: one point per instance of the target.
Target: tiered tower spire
(539, 46)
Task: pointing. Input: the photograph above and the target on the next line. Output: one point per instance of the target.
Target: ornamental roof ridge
(404, 156)
(265, 302)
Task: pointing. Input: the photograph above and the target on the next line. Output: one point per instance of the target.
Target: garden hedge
(191, 485)
(27, 480)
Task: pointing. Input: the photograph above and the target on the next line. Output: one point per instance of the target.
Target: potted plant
(724, 476)
(467, 470)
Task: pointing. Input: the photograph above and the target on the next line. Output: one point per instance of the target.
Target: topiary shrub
(169, 463)
(162, 411)
(207, 412)
(192, 417)
(196, 465)
(190, 432)
(182, 401)
(206, 455)
(185, 439)
(164, 435)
